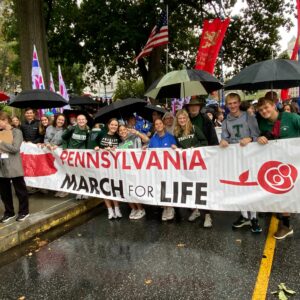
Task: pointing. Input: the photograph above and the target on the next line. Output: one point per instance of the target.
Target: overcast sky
(286, 36)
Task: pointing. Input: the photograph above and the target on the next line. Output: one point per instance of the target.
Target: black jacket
(207, 127)
(31, 132)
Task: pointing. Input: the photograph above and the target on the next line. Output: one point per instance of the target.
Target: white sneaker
(61, 194)
(164, 214)
(207, 221)
(132, 214)
(118, 212)
(170, 213)
(194, 215)
(78, 197)
(139, 214)
(111, 214)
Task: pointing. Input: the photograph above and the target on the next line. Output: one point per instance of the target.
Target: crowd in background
(196, 125)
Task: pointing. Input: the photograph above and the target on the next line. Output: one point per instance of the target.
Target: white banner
(254, 178)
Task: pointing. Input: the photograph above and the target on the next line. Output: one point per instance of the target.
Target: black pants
(7, 197)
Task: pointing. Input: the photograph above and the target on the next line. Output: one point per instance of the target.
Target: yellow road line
(262, 280)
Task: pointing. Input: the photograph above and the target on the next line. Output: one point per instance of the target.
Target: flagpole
(167, 54)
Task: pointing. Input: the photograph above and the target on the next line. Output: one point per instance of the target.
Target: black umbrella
(119, 109)
(38, 99)
(183, 83)
(268, 74)
(81, 100)
(146, 111)
(69, 112)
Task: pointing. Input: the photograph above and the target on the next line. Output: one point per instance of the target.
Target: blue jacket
(166, 141)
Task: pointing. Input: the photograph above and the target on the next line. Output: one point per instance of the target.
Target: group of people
(189, 128)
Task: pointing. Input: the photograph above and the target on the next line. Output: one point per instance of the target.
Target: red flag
(210, 43)
(285, 93)
(159, 36)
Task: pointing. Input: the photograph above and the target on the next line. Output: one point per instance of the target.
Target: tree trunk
(155, 67)
(32, 31)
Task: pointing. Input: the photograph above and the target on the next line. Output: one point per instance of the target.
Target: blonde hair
(178, 130)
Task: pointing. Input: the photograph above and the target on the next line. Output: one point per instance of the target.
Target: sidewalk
(46, 212)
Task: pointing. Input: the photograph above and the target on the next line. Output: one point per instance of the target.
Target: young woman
(15, 122)
(11, 170)
(110, 142)
(44, 123)
(189, 136)
(75, 137)
(132, 139)
(53, 136)
(163, 139)
(287, 107)
(53, 139)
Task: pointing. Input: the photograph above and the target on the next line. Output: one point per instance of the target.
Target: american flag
(36, 72)
(159, 36)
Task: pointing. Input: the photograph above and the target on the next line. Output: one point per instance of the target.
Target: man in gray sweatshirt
(240, 127)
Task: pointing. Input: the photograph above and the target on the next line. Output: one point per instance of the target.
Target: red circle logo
(277, 177)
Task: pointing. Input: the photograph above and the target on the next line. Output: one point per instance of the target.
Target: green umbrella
(183, 83)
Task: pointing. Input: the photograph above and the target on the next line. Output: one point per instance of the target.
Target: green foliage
(9, 60)
(109, 34)
(254, 35)
(129, 89)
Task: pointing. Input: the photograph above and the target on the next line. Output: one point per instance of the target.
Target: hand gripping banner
(254, 178)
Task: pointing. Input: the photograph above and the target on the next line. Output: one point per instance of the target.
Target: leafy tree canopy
(110, 33)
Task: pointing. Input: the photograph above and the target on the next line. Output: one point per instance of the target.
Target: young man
(240, 127)
(207, 127)
(30, 128)
(277, 125)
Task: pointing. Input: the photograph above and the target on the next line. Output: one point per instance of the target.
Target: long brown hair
(178, 130)
(42, 128)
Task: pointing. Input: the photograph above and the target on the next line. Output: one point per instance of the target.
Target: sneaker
(139, 214)
(194, 215)
(132, 214)
(164, 214)
(170, 213)
(207, 221)
(21, 218)
(111, 215)
(6, 218)
(283, 232)
(61, 194)
(241, 222)
(118, 212)
(78, 197)
(255, 228)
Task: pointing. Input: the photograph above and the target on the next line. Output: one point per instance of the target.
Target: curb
(44, 221)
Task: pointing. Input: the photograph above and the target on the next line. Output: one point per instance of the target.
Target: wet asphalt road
(148, 259)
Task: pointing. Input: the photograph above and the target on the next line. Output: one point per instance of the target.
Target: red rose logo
(276, 177)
